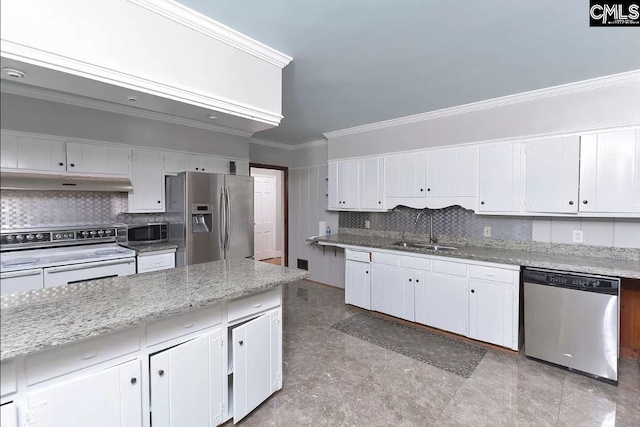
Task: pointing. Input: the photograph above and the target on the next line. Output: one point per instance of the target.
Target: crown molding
(569, 88)
(196, 21)
(78, 101)
(288, 147)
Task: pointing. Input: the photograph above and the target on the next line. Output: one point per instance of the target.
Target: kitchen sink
(419, 245)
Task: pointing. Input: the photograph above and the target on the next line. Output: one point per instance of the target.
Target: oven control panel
(25, 238)
(47, 238)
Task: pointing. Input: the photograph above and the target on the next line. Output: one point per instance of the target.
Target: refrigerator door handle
(228, 218)
(222, 220)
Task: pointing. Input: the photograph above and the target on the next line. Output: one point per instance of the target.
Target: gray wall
(45, 117)
(593, 109)
(267, 155)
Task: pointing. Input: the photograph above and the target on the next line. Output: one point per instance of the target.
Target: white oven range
(64, 256)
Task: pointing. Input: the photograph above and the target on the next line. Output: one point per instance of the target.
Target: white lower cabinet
(476, 300)
(491, 317)
(358, 284)
(112, 397)
(8, 415)
(155, 261)
(186, 383)
(21, 281)
(392, 291)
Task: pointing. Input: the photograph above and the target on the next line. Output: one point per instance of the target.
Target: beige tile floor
(334, 379)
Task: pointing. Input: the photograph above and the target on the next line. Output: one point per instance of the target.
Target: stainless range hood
(40, 181)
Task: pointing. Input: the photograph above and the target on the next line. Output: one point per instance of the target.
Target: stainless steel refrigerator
(210, 216)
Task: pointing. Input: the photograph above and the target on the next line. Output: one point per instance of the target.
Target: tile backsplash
(26, 209)
(453, 221)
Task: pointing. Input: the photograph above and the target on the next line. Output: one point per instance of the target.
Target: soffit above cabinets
(182, 67)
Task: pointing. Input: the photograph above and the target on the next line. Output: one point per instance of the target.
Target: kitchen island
(95, 352)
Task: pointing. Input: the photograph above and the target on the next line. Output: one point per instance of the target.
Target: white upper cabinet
(176, 162)
(332, 186)
(500, 177)
(552, 174)
(344, 185)
(147, 179)
(609, 172)
(406, 175)
(97, 158)
(372, 184)
(452, 172)
(32, 153)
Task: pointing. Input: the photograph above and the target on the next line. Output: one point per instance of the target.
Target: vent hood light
(211, 117)
(132, 98)
(44, 182)
(13, 73)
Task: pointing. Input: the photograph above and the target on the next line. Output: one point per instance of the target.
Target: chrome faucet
(415, 223)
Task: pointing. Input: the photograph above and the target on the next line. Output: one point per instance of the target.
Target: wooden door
(264, 207)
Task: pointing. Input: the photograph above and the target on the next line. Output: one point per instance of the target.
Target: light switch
(367, 224)
(487, 232)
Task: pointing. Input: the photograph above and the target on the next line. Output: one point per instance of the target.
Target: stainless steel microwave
(143, 234)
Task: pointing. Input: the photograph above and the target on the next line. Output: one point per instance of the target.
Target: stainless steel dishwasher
(572, 320)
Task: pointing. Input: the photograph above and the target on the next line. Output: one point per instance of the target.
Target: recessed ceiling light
(132, 98)
(12, 72)
(211, 117)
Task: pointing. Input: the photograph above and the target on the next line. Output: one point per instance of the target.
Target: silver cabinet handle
(86, 266)
(20, 274)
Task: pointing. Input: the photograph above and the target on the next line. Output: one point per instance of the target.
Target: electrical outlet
(487, 232)
(578, 236)
(367, 224)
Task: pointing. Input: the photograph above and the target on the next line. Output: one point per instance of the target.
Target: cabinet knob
(379, 203)
(417, 281)
(161, 372)
(428, 189)
(367, 272)
(134, 380)
(202, 169)
(72, 165)
(585, 202)
(410, 280)
(422, 189)
(482, 203)
(571, 202)
(60, 164)
(241, 342)
(159, 201)
(472, 291)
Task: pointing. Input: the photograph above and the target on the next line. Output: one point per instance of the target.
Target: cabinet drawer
(54, 363)
(358, 256)
(446, 267)
(388, 259)
(183, 324)
(491, 273)
(156, 262)
(8, 383)
(416, 263)
(254, 304)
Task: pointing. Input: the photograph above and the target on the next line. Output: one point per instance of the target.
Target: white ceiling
(364, 61)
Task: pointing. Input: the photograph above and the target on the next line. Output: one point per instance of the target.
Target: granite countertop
(612, 265)
(36, 320)
(152, 247)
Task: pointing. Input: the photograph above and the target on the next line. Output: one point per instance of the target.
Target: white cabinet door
(491, 308)
(358, 284)
(211, 164)
(431, 300)
(348, 185)
(108, 398)
(9, 151)
(608, 172)
(500, 177)
(393, 291)
(21, 281)
(406, 175)
(371, 184)
(257, 362)
(148, 182)
(176, 162)
(97, 158)
(334, 197)
(186, 383)
(452, 172)
(9, 415)
(119, 161)
(457, 305)
(36, 154)
(551, 183)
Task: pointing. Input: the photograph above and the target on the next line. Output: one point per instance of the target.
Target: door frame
(285, 198)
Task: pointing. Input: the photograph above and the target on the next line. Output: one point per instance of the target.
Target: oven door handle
(21, 274)
(87, 266)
